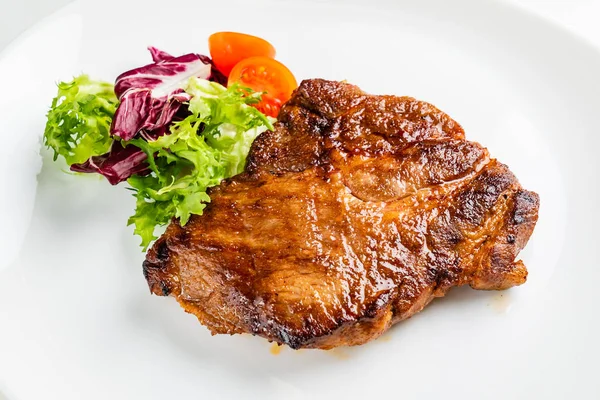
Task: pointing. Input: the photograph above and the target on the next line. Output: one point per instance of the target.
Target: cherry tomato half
(229, 48)
(263, 74)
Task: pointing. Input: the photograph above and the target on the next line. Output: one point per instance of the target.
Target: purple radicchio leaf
(151, 95)
(215, 76)
(117, 165)
(159, 55)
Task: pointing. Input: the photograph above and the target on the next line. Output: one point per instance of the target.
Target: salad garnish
(171, 129)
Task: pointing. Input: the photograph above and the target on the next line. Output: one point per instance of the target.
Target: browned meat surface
(351, 216)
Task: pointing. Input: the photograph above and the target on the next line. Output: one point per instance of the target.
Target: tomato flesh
(263, 74)
(229, 48)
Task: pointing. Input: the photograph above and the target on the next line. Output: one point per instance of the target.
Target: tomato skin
(229, 48)
(264, 74)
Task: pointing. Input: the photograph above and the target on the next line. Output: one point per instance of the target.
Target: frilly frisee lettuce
(199, 150)
(79, 119)
(150, 98)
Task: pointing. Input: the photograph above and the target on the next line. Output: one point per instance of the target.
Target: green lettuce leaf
(79, 119)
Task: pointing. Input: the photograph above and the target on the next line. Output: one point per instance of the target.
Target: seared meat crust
(352, 215)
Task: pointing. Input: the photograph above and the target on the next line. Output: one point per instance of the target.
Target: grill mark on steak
(352, 215)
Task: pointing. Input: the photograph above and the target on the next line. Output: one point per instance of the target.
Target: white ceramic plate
(77, 320)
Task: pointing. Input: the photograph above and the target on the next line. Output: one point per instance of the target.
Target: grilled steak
(352, 215)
